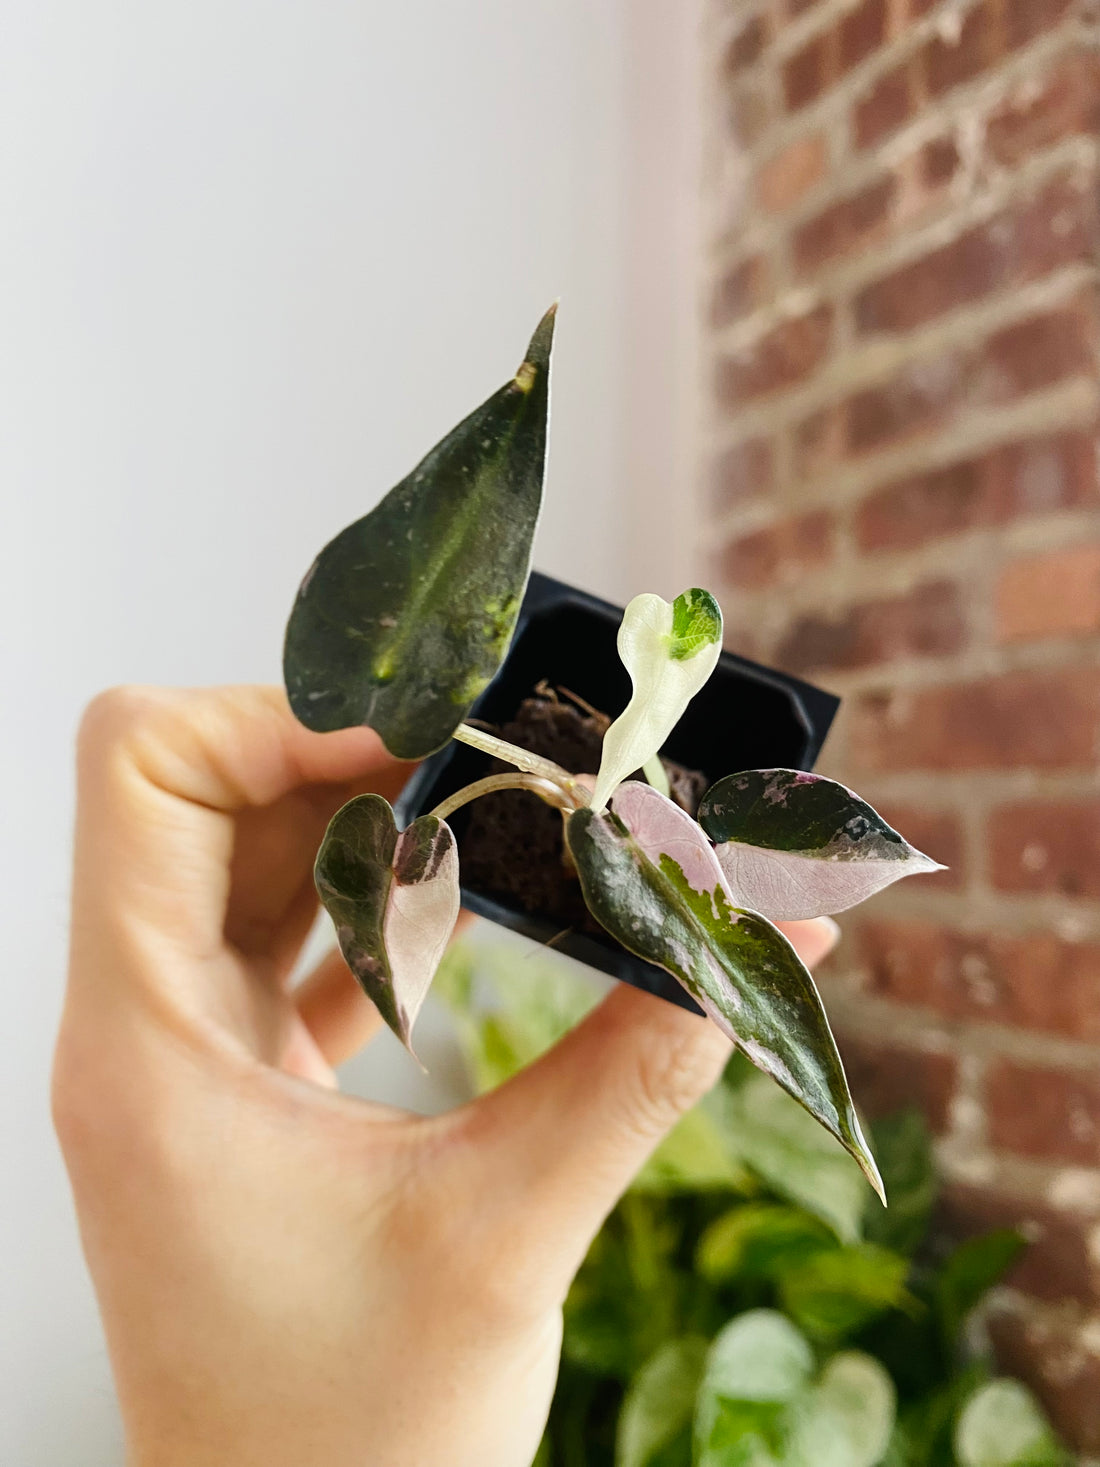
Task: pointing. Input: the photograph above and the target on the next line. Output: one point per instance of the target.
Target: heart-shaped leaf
(394, 897)
(660, 1404)
(651, 878)
(795, 845)
(404, 618)
(1003, 1426)
(669, 651)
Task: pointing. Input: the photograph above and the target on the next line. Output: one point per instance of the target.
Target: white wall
(255, 257)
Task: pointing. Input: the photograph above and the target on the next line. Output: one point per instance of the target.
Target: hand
(288, 1275)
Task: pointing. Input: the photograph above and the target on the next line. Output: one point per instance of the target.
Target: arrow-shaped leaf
(404, 618)
(651, 878)
(394, 897)
(795, 845)
(669, 650)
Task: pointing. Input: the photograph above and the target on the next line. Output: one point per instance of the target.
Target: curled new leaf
(651, 878)
(795, 845)
(394, 897)
(669, 650)
(405, 617)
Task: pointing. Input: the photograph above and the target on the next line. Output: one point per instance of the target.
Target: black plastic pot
(746, 717)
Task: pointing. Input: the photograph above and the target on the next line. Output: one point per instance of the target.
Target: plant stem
(552, 793)
(523, 759)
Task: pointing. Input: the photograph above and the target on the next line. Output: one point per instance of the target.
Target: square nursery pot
(746, 717)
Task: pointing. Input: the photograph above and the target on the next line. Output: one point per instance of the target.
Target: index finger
(162, 774)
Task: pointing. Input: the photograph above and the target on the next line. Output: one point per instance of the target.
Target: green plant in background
(747, 1304)
(402, 621)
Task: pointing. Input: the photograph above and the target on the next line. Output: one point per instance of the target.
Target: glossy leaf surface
(394, 899)
(406, 615)
(651, 878)
(796, 845)
(669, 650)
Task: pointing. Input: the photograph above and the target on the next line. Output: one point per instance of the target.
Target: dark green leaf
(969, 1274)
(404, 618)
(394, 899)
(796, 845)
(650, 878)
(833, 1292)
(903, 1149)
(758, 1240)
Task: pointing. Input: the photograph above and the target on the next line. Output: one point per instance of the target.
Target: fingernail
(833, 927)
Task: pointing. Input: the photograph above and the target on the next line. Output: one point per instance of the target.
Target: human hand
(288, 1275)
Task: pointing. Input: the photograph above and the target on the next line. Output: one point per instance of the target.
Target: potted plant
(402, 623)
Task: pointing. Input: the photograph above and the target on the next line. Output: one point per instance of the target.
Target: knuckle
(113, 716)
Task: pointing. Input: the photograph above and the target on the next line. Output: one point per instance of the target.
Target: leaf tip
(537, 359)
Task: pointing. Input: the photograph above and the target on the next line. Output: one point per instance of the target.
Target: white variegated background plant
(403, 620)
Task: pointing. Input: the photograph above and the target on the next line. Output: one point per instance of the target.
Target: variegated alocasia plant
(401, 622)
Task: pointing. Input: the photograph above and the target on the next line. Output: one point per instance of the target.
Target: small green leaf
(660, 1404)
(757, 1241)
(970, 1272)
(669, 651)
(792, 1155)
(903, 1149)
(832, 1292)
(848, 1417)
(394, 898)
(404, 618)
(757, 1365)
(650, 877)
(1002, 1426)
(795, 845)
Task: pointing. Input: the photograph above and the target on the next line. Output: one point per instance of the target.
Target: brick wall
(902, 486)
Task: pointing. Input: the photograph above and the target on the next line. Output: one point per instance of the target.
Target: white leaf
(670, 650)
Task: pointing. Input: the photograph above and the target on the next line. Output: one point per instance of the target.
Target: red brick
(925, 622)
(844, 226)
(950, 61)
(1052, 595)
(744, 288)
(811, 71)
(1026, 19)
(862, 31)
(885, 1078)
(1066, 104)
(747, 46)
(1036, 719)
(964, 270)
(1034, 982)
(1037, 353)
(1049, 1356)
(1056, 1263)
(786, 354)
(818, 441)
(1049, 1114)
(935, 832)
(888, 105)
(781, 553)
(1014, 480)
(1047, 846)
(743, 472)
(1029, 240)
(796, 7)
(784, 178)
(920, 395)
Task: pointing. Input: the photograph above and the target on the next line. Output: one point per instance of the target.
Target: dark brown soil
(512, 846)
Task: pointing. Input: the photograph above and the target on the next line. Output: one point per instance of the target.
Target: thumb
(565, 1137)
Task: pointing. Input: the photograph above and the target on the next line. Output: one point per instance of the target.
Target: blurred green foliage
(749, 1303)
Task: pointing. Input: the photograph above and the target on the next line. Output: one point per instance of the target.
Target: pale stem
(523, 759)
(654, 772)
(552, 793)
